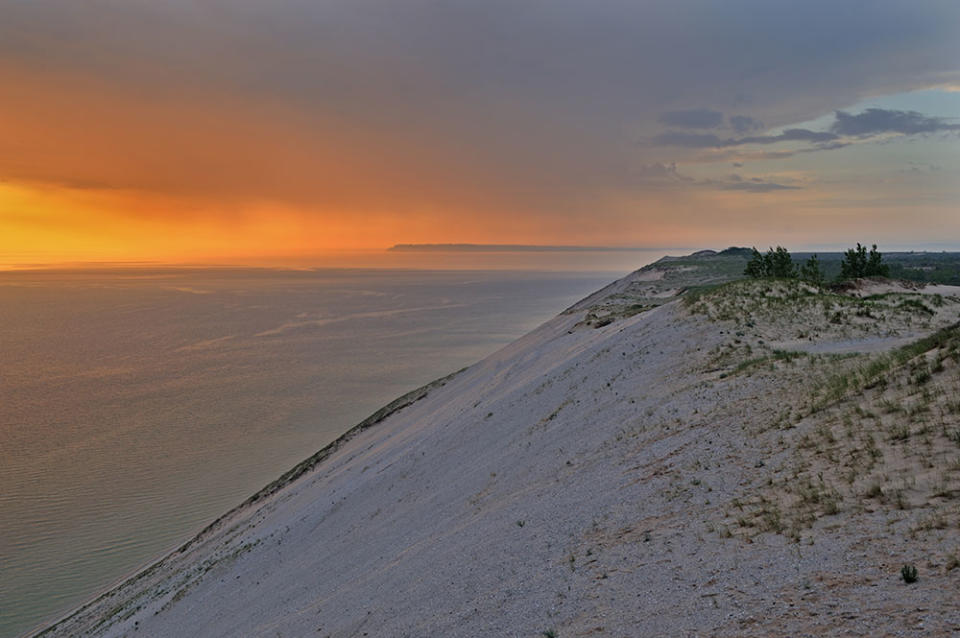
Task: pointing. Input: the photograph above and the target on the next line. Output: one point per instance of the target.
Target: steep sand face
(637, 476)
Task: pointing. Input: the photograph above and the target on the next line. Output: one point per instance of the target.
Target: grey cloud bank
(510, 105)
(875, 121)
(871, 122)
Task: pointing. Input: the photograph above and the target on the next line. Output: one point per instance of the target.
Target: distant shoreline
(525, 248)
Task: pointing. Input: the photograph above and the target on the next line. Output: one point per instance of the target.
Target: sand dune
(649, 462)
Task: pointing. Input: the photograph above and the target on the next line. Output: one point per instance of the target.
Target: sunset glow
(171, 133)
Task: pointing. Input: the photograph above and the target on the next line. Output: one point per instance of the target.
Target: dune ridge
(680, 453)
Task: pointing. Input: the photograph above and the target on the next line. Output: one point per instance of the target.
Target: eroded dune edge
(680, 453)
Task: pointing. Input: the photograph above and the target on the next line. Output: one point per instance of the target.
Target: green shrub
(776, 263)
(812, 273)
(908, 573)
(857, 263)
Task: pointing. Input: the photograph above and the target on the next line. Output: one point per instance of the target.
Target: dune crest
(677, 454)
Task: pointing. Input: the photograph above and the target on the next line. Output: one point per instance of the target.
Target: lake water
(136, 406)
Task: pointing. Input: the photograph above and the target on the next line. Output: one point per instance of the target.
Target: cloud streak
(668, 176)
(868, 124)
(756, 187)
(706, 140)
(878, 121)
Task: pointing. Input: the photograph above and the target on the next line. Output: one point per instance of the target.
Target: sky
(244, 131)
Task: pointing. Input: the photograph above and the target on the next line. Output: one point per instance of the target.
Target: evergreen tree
(853, 265)
(875, 266)
(781, 263)
(756, 267)
(812, 273)
(857, 263)
(775, 263)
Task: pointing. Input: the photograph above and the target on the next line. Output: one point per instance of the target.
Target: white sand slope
(580, 480)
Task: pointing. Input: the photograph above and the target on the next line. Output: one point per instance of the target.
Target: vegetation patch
(878, 436)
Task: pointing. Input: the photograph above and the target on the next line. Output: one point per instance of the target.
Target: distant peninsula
(526, 248)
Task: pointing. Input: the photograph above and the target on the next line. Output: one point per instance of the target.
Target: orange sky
(178, 134)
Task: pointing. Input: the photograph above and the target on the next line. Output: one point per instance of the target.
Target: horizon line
(468, 247)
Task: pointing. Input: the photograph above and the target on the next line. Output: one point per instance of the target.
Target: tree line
(855, 263)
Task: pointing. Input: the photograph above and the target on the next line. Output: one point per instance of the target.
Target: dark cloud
(744, 124)
(870, 123)
(756, 185)
(695, 118)
(878, 121)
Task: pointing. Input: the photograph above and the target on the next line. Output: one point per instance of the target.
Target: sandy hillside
(666, 458)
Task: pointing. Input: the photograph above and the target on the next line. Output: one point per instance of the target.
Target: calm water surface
(136, 406)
